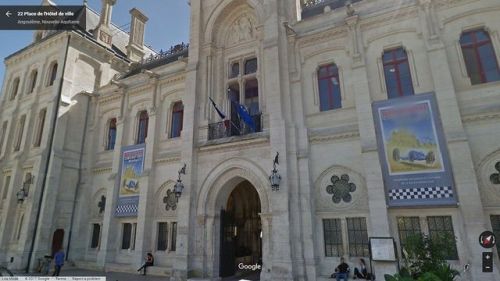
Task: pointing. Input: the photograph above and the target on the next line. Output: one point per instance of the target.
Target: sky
(168, 23)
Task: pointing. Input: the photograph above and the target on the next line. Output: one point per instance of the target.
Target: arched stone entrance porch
(214, 197)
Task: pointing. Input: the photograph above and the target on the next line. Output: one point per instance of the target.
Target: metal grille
(358, 237)
(332, 231)
(127, 235)
(495, 224)
(173, 240)
(96, 231)
(408, 226)
(440, 226)
(231, 128)
(162, 236)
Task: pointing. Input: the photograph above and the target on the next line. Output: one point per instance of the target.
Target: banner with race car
(413, 153)
(131, 168)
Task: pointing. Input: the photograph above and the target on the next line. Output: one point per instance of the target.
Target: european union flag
(245, 116)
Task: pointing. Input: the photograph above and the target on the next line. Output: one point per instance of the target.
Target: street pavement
(119, 276)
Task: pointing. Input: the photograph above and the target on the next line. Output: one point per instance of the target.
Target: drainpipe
(80, 164)
(49, 156)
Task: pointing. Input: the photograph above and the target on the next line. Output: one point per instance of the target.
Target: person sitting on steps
(341, 271)
(149, 262)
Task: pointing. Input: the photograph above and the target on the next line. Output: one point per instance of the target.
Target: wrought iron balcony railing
(315, 7)
(232, 128)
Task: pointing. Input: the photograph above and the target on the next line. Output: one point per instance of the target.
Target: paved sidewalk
(110, 276)
(119, 276)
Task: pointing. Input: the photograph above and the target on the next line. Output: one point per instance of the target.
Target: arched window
(329, 87)
(52, 74)
(110, 145)
(41, 124)
(142, 132)
(15, 89)
(397, 73)
(20, 131)
(33, 78)
(479, 56)
(177, 119)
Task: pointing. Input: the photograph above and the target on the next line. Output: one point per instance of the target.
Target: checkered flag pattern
(127, 207)
(433, 192)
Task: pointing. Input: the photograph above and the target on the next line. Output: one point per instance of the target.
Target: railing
(315, 7)
(232, 128)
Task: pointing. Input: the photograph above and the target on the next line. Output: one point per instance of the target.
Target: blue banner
(413, 152)
(131, 169)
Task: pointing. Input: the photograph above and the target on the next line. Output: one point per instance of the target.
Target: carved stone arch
(161, 193)
(228, 10)
(490, 192)
(323, 195)
(222, 179)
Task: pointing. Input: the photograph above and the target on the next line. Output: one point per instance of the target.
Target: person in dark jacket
(341, 271)
(150, 261)
(58, 262)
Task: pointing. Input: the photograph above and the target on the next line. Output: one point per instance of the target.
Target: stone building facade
(308, 73)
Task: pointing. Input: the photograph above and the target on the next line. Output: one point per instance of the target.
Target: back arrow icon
(8, 14)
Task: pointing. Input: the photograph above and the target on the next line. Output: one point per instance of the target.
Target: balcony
(316, 7)
(226, 129)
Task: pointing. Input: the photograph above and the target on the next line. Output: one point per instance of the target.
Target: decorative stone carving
(102, 204)
(495, 177)
(170, 201)
(341, 189)
(243, 29)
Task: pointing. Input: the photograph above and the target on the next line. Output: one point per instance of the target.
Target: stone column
(146, 201)
(379, 219)
(110, 229)
(465, 178)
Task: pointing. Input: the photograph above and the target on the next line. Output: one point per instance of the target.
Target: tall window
(177, 119)
(6, 184)
(41, 124)
(358, 237)
(110, 145)
(161, 244)
(52, 74)
(96, 233)
(479, 56)
(142, 131)
(332, 232)
(20, 131)
(20, 227)
(3, 135)
(32, 84)
(495, 225)
(14, 89)
(397, 73)
(329, 87)
(441, 227)
(408, 226)
(173, 238)
(126, 236)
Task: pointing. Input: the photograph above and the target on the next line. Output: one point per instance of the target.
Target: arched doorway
(241, 233)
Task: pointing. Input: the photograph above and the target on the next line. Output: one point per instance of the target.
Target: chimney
(135, 47)
(103, 31)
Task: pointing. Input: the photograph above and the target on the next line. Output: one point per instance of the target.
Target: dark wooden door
(227, 255)
(57, 240)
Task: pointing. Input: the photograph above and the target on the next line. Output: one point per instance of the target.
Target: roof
(119, 42)
(174, 54)
(120, 36)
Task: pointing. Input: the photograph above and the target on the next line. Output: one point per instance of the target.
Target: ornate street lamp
(23, 193)
(275, 177)
(179, 186)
